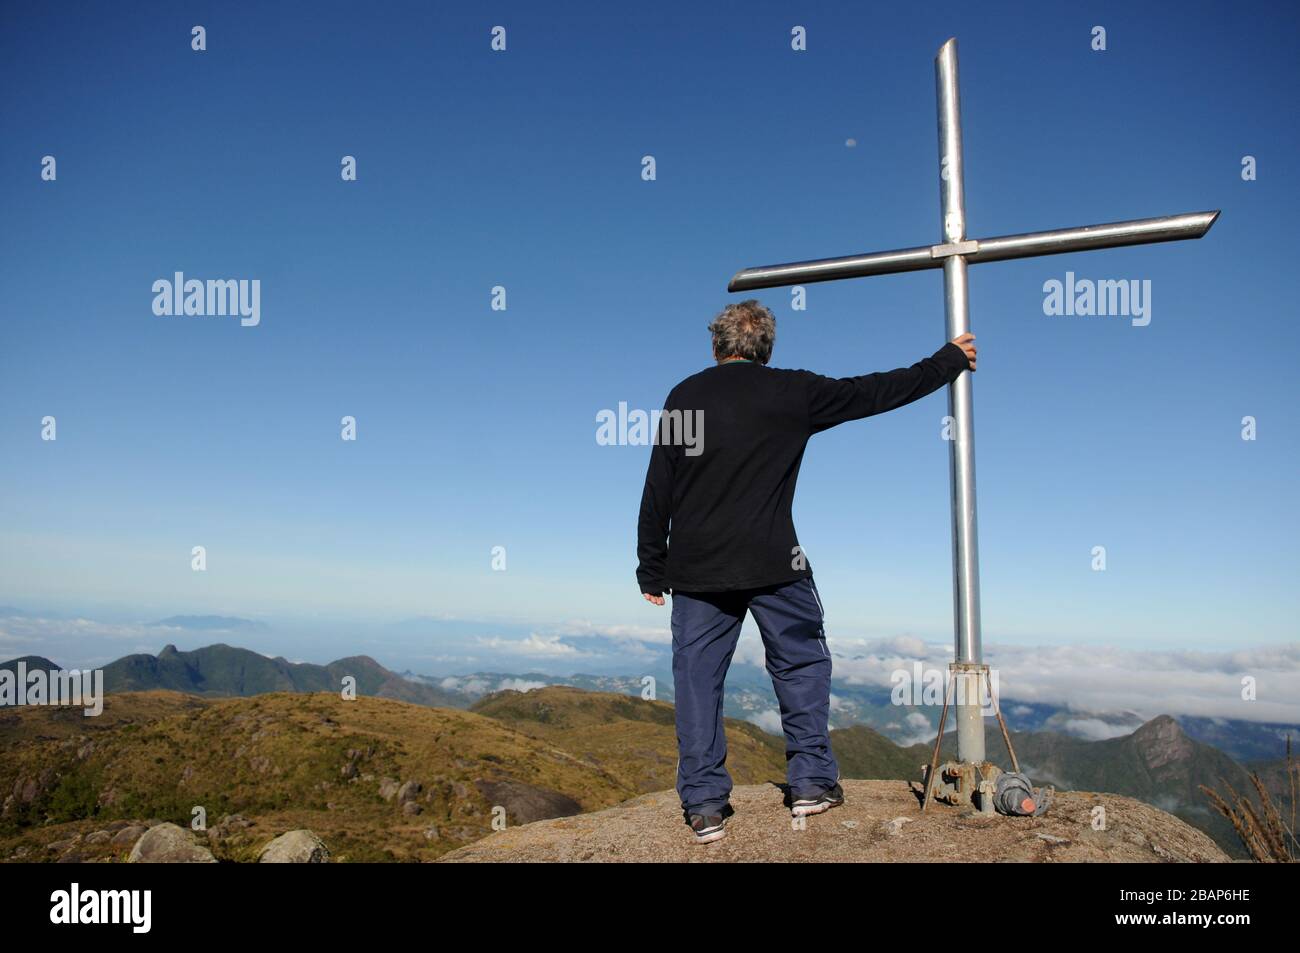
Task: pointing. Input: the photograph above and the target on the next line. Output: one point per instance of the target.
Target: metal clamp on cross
(953, 255)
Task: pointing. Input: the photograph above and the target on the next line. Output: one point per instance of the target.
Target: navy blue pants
(706, 627)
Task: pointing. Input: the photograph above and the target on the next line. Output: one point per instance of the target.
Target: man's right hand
(651, 597)
(967, 343)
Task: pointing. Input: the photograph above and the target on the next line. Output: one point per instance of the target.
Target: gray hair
(746, 329)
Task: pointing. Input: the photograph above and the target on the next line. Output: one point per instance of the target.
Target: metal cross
(953, 255)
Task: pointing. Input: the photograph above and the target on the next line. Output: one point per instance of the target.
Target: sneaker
(807, 806)
(708, 827)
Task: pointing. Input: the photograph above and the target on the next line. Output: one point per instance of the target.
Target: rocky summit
(881, 821)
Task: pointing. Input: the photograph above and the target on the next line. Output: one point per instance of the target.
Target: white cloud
(1102, 678)
(1095, 729)
(659, 635)
(918, 730)
(536, 645)
(519, 685)
(468, 686)
(1086, 679)
(476, 686)
(749, 650)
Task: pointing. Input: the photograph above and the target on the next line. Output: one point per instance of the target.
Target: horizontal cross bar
(1142, 231)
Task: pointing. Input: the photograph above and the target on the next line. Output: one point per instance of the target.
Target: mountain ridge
(221, 670)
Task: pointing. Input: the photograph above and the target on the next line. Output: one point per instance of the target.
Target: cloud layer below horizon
(1084, 678)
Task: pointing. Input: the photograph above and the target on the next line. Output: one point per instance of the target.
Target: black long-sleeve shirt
(726, 494)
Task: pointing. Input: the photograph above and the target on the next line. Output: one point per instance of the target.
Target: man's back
(728, 498)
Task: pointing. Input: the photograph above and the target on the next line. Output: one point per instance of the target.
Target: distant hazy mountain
(209, 622)
(223, 670)
(1244, 740)
(32, 662)
(1159, 763)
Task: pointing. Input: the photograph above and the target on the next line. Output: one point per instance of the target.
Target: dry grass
(283, 761)
(1262, 824)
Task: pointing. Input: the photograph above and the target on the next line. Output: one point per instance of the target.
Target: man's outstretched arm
(833, 401)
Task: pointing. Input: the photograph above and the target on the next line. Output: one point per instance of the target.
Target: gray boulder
(295, 847)
(129, 835)
(169, 844)
(525, 803)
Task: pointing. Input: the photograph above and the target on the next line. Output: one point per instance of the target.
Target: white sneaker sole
(710, 836)
(810, 808)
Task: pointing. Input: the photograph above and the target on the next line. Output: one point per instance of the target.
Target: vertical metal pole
(961, 450)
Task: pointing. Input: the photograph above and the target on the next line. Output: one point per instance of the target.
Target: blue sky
(476, 428)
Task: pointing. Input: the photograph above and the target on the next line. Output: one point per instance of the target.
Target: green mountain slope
(1159, 763)
(633, 739)
(865, 753)
(377, 779)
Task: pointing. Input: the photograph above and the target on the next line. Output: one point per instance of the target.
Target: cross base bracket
(960, 782)
(964, 783)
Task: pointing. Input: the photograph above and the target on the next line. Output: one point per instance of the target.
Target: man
(727, 506)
